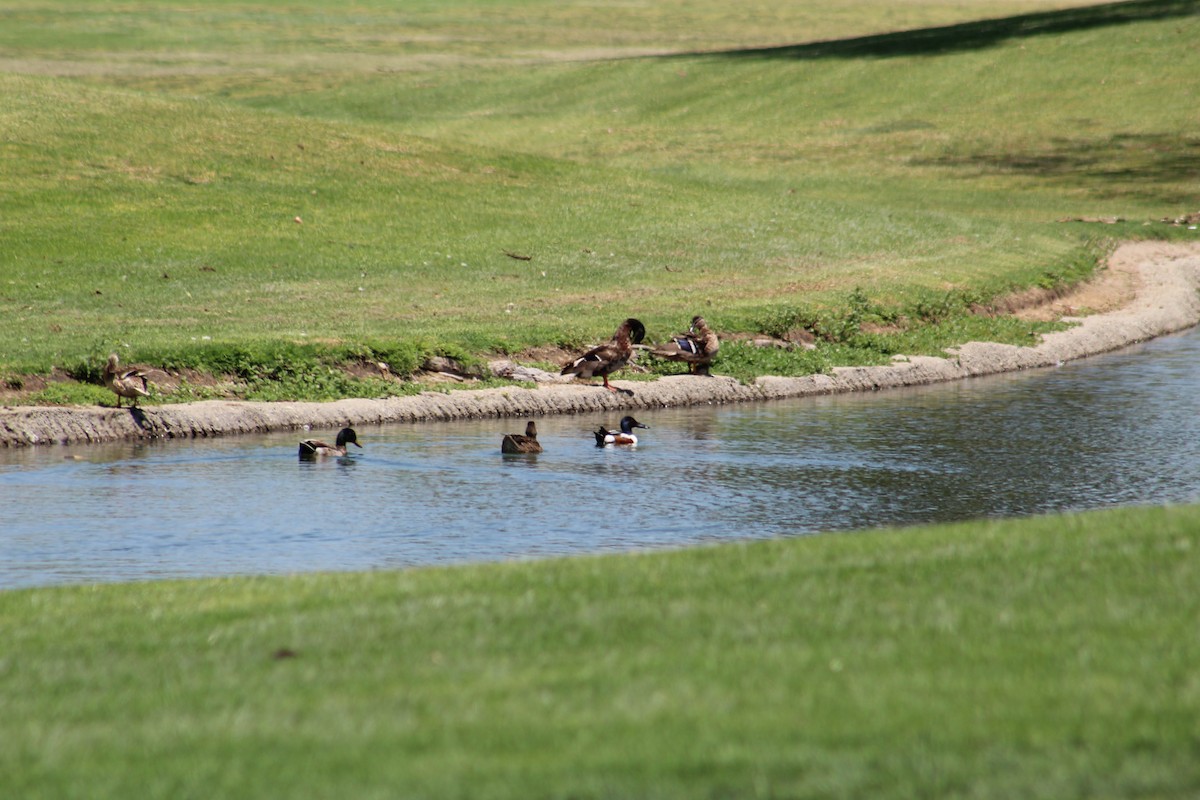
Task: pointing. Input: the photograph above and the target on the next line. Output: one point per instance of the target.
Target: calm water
(1113, 430)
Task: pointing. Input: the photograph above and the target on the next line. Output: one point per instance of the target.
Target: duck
(609, 357)
(625, 436)
(696, 347)
(516, 443)
(129, 383)
(313, 448)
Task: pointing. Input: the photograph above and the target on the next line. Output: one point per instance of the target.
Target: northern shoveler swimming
(516, 443)
(605, 359)
(625, 436)
(696, 347)
(313, 448)
(129, 383)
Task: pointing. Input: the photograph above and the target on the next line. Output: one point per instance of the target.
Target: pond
(1116, 429)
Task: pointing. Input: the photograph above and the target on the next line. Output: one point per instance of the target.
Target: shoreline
(1166, 300)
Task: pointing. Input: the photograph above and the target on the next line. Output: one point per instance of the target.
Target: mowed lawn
(1047, 658)
(181, 177)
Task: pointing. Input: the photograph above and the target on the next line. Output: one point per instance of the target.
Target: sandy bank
(1158, 286)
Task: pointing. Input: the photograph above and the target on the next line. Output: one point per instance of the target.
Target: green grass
(1048, 658)
(156, 157)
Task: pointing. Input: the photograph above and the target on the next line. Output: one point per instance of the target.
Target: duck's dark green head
(347, 436)
(637, 331)
(629, 423)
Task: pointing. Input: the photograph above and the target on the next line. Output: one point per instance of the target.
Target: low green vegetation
(1049, 658)
(184, 180)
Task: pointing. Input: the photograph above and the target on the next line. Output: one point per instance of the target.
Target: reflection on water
(1117, 429)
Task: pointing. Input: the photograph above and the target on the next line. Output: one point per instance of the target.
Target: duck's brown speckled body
(129, 383)
(696, 347)
(605, 359)
(515, 443)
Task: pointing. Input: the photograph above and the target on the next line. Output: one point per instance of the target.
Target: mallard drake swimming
(516, 443)
(609, 357)
(623, 436)
(312, 448)
(129, 383)
(696, 347)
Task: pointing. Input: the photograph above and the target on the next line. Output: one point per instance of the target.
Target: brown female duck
(515, 443)
(696, 347)
(129, 383)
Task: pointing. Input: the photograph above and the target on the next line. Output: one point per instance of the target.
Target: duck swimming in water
(314, 448)
(696, 347)
(605, 359)
(129, 383)
(624, 436)
(515, 443)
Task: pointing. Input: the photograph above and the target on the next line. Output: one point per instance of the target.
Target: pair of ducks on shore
(512, 443)
(695, 347)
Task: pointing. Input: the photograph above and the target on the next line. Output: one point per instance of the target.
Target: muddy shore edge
(1166, 298)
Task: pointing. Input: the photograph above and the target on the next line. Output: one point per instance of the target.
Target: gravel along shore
(1147, 289)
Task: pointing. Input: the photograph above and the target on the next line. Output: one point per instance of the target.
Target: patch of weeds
(932, 307)
(73, 394)
(402, 358)
(746, 362)
(485, 383)
(469, 362)
(863, 333)
(315, 382)
(957, 329)
(574, 339)
(837, 324)
(89, 369)
(1078, 266)
(276, 371)
(188, 392)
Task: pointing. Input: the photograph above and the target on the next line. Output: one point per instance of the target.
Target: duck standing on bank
(605, 359)
(129, 383)
(515, 443)
(624, 436)
(696, 347)
(315, 448)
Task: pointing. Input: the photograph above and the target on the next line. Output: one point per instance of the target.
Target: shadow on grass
(977, 35)
(1158, 167)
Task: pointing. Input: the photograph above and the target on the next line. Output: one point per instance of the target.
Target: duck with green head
(316, 448)
(603, 360)
(623, 437)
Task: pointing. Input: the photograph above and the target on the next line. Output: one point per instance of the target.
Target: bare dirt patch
(1115, 286)
(547, 354)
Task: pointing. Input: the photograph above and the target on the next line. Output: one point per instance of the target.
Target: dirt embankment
(1148, 289)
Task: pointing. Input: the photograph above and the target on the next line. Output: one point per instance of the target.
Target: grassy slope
(151, 216)
(1044, 658)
